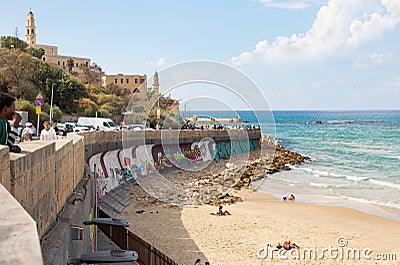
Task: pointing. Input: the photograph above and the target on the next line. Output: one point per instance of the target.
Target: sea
(355, 156)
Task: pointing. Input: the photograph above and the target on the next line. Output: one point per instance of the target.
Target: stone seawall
(45, 174)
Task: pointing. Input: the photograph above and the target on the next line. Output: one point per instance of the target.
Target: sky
(300, 54)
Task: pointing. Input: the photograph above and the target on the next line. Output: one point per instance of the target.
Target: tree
(12, 42)
(70, 64)
(45, 75)
(87, 107)
(16, 70)
(92, 75)
(25, 105)
(67, 93)
(37, 53)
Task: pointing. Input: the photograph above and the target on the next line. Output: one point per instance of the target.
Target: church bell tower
(30, 34)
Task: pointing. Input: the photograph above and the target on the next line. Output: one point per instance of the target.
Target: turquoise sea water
(355, 155)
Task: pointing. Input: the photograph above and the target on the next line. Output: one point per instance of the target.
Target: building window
(127, 81)
(33, 32)
(115, 81)
(87, 64)
(58, 63)
(136, 80)
(142, 81)
(63, 63)
(44, 58)
(122, 80)
(27, 31)
(76, 64)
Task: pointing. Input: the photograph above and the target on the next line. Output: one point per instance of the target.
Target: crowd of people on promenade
(9, 132)
(194, 126)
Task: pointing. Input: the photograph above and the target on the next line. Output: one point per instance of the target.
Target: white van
(102, 124)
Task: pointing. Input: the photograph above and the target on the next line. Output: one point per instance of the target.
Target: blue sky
(302, 54)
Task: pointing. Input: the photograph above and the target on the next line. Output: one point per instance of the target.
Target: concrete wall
(44, 174)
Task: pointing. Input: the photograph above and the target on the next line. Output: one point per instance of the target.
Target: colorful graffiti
(118, 167)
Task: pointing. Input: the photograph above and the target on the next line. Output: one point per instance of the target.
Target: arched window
(27, 31)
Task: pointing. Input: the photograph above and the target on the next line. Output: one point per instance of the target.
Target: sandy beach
(325, 234)
(187, 233)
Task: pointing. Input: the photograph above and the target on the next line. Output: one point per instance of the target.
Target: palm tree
(70, 64)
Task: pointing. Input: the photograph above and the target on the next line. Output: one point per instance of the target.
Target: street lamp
(51, 104)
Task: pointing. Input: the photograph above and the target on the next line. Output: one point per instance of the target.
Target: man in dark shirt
(8, 134)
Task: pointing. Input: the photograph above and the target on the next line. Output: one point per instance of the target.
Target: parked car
(139, 127)
(76, 127)
(65, 128)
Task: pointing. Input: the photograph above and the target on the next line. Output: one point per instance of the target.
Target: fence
(125, 239)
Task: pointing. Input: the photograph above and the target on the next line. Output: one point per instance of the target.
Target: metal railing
(127, 240)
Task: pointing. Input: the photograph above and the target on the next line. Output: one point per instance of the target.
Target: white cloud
(159, 63)
(284, 4)
(372, 59)
(339, 26)
(290, 4)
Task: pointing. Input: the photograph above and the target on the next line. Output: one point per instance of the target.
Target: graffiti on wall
(115, 168)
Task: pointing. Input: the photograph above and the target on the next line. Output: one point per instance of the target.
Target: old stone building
(51, 52)
(136, 84)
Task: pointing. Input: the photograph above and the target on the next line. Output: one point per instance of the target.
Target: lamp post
(51, 104)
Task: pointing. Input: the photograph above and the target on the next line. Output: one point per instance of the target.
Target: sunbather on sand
(222, 212)
(289, 245)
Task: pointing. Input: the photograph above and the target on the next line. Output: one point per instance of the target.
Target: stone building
(136, 84)
(51, 52)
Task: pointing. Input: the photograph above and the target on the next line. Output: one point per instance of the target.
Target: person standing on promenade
(8, 134)
(48, 133)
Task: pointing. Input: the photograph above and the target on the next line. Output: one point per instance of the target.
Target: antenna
(16, 34)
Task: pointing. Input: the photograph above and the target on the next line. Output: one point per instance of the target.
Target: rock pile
(213, 185)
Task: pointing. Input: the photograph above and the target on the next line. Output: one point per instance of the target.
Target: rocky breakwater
(214, 184)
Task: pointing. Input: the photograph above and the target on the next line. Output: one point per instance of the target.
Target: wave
(319, 173)
(394, 205)
(393, 157)
(327, 186)
(333, 122)
(384, 183)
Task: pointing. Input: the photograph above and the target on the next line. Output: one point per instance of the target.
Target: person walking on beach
(9, 134)
(48, 133)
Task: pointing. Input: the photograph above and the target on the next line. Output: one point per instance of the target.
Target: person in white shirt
(48, 133)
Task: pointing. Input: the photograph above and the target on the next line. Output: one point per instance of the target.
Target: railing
(125, 239)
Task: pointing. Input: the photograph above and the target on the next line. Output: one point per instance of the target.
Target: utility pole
(51, 104)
